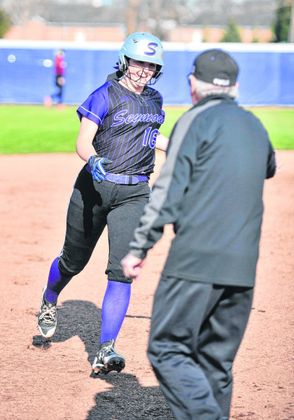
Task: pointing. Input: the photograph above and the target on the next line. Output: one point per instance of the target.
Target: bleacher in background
(26, 72)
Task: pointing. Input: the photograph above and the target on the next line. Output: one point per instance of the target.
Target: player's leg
(60, 90)
(178, 311)
(114, 308)
(47, 317)
(121, 222)
(219, 339)
(56, 282)
(86, 219)
(55, 93)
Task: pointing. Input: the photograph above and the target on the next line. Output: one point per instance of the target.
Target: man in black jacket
(210, 188)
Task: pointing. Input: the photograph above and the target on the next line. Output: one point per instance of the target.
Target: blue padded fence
(26, 72)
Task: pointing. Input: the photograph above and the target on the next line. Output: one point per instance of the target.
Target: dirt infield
(53, 382)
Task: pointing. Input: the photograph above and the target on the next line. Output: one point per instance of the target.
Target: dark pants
(58, 95)
(92, 206)
(196, 330)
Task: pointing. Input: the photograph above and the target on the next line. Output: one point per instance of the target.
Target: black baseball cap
(217, 67)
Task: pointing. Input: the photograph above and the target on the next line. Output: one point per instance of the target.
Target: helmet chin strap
(131, 77)
(136, 77)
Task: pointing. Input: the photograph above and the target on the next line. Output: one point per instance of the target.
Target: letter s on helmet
(142, 46)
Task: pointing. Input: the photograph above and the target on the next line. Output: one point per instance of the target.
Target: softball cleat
(107, 359)
(47, 318)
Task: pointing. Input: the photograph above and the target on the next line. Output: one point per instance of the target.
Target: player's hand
(132, 266)
(97, 164)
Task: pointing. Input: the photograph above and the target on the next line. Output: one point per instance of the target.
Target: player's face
(141, 72)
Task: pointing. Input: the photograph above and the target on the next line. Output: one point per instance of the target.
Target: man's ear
(193, 91)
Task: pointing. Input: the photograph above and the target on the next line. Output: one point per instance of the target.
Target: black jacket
(210, 188)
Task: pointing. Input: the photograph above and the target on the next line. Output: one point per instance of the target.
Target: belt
(123, 179)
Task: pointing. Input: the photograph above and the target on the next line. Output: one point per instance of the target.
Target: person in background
(59, 67)
(118, 134)
(210, 188)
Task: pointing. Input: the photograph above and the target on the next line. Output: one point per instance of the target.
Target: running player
(117, 139)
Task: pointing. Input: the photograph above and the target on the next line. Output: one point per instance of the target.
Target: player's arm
(84, 146)
(91, 114)
(86, 151)
(161, 142)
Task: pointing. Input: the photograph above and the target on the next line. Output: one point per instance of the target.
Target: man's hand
(96, 164)
(132, 266)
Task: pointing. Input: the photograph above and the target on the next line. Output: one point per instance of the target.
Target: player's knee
(68, 268)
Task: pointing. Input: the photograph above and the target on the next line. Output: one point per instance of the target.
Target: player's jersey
(128, 125)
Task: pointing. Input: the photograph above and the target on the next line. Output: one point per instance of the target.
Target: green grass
(36, 129)
(278, 122)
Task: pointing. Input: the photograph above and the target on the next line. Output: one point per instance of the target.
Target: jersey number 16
(149, 138)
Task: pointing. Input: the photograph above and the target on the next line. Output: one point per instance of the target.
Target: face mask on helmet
(142, 46)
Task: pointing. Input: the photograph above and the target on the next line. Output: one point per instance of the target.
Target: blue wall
(26, 73)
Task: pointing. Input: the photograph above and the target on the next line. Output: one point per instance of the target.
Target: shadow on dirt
(77, 318)
(129, 400)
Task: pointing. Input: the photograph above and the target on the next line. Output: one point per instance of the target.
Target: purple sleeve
(95, 107)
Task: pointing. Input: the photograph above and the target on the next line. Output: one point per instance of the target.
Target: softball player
(117, 139)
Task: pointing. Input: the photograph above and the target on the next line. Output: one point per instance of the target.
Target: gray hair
(204, 89)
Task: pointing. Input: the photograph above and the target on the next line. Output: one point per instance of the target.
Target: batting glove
(96, 164)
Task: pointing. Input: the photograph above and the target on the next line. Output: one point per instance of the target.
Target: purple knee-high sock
(56, 282)
(114, 308)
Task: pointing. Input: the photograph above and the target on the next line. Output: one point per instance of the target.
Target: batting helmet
(141, 46)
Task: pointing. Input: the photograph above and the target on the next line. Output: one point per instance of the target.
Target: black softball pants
(196, 330)
(92, 206)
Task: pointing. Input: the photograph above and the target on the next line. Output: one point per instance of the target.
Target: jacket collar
(208, 98)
